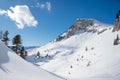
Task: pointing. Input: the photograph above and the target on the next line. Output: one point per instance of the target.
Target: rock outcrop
(79, 25)
(117, 22)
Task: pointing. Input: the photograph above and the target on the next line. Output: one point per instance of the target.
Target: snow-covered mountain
(86, 51)
(12, 67)
(81, 25)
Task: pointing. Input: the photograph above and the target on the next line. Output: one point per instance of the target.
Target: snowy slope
(86, 55)
(12, 67)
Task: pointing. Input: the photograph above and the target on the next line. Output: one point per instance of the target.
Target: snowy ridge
(86, 55)
(12, 67)
(81, 25)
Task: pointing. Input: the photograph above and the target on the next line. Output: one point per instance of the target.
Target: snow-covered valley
(81, 53)
(13, 67)
(59, 40)
(89, 54)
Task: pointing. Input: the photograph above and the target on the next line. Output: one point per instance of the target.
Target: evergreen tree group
(17, 43)
(18, 48)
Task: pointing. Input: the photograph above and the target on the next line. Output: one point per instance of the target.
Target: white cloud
(46, 5)
(21, 15)
(2, 12)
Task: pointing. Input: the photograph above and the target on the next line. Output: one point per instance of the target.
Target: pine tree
(117, 37)
(117, 16)
(38, 54)
(116, 41)
(18, 48)
(17, 42)
(1, 35)
(86, 49)
(23, 53)
(5, 37)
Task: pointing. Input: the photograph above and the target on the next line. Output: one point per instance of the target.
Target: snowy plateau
(86, 51)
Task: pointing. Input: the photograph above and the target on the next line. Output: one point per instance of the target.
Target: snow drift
(12, 67)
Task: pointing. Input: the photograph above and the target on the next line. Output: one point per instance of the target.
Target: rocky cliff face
(117, 22)
(79, 25)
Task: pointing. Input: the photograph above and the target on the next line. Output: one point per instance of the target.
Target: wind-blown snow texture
(88, 54)
(12, 67)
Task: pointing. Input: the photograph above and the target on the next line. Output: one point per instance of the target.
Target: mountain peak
(81, 25)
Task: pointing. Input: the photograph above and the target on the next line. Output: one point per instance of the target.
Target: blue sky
(46, 19)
